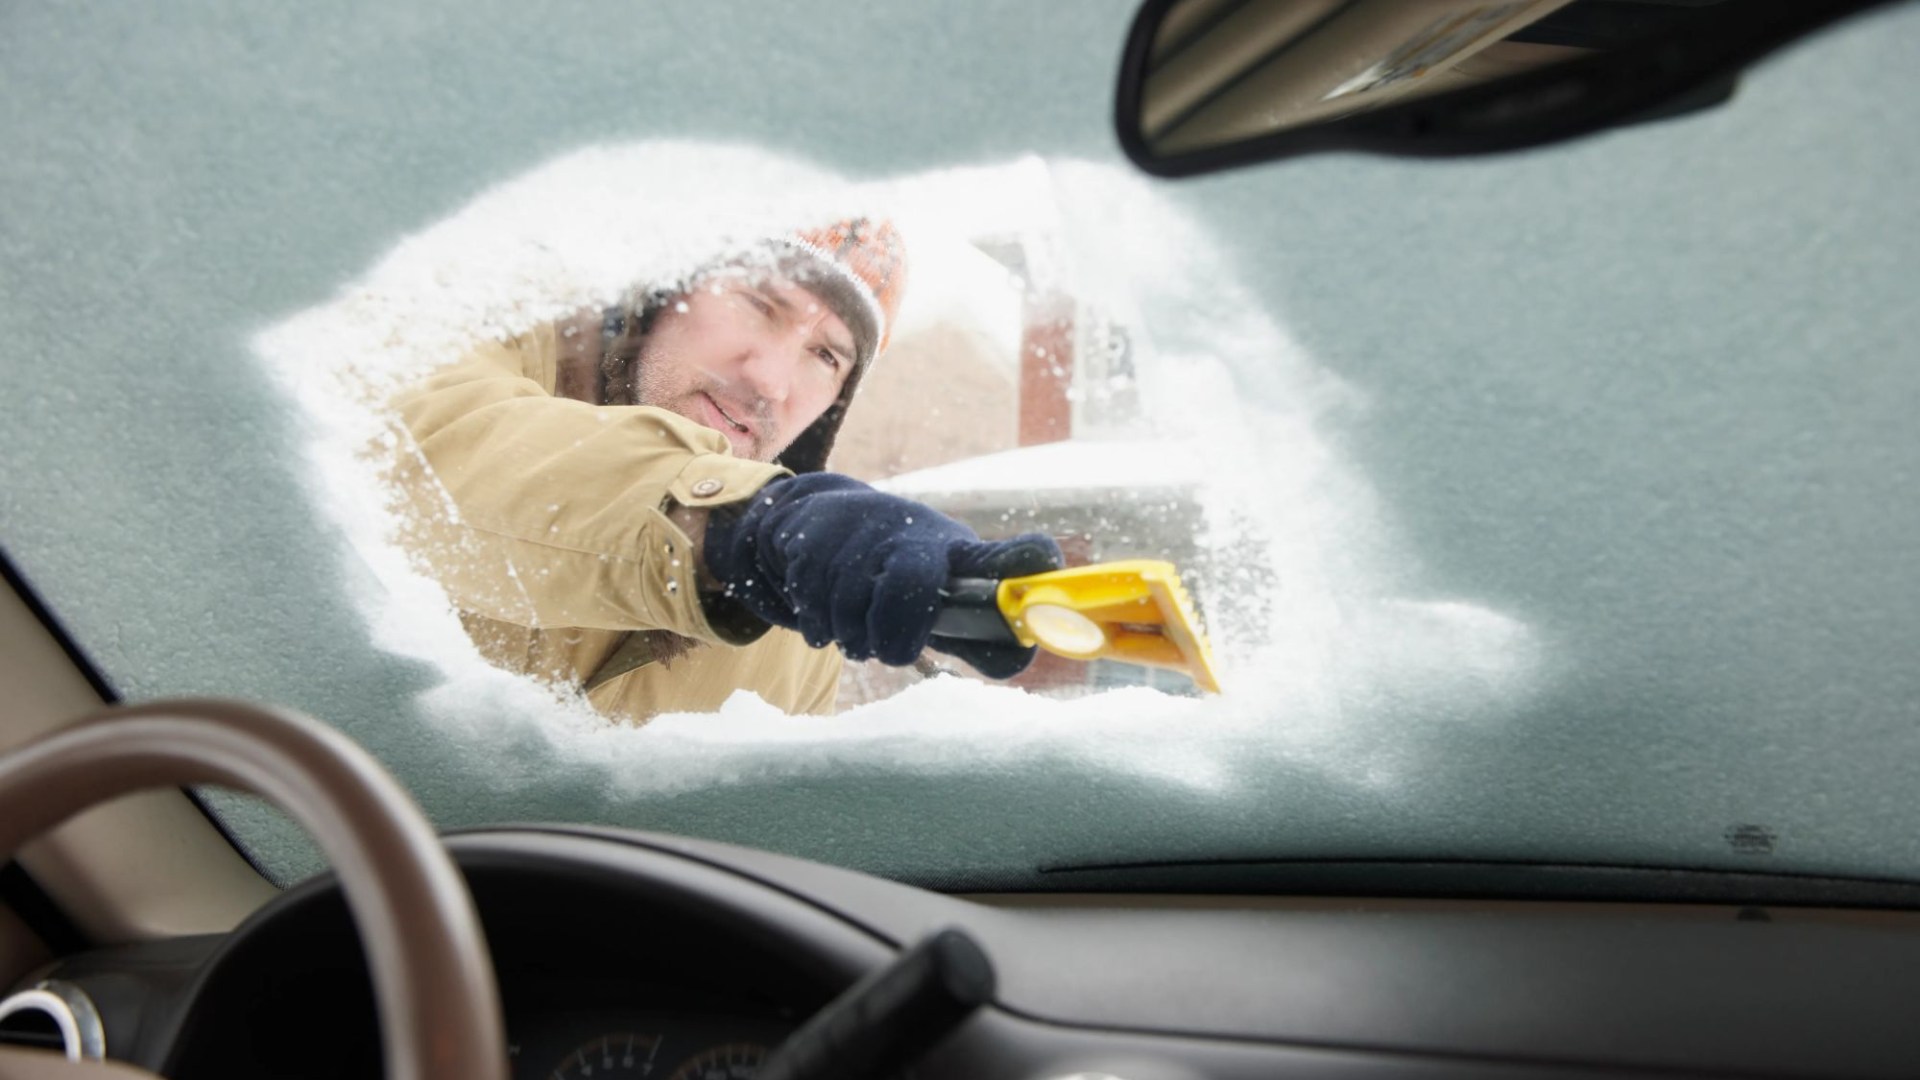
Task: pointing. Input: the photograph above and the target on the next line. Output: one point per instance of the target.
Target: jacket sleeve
(548, 512)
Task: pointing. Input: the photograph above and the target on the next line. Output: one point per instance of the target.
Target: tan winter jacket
(544, 518)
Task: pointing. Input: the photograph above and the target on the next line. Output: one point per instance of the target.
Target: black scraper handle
(886, 1021)
(970, 610)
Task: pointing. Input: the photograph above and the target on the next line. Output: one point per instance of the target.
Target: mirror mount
(1692, 61)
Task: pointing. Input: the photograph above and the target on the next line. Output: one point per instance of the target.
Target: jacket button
(707, 487)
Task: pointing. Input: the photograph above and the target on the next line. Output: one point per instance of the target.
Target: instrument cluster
(606, 1044)
(566, 1023)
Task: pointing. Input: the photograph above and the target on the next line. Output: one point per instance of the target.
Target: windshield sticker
(1751, 839)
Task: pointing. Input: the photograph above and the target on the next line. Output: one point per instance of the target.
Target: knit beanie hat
(859, 267)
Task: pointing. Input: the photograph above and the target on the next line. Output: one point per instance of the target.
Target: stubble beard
(682, 398)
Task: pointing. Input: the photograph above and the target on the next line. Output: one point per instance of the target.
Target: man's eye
(832, 358)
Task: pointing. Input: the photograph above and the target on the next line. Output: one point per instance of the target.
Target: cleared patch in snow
(1316, 610)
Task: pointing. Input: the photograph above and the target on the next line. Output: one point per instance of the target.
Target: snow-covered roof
(1059, 472)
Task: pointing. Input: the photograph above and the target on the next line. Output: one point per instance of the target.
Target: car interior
(137, 938)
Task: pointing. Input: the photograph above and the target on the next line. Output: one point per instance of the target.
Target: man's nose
(772, 363)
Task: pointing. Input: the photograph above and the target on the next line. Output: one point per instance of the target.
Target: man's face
(757, 359)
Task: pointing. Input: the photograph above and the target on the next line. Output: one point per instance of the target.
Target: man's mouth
(727, 416)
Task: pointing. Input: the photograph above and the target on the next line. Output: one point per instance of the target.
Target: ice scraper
(1133, 611)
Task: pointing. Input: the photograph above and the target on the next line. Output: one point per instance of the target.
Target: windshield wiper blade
(1482, 879)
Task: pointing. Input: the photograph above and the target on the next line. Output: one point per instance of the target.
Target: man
(636, 503)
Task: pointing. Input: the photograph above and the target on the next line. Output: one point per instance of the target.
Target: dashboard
(627, 954)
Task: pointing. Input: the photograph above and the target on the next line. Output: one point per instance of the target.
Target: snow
(1320, 646)
(1067, 465)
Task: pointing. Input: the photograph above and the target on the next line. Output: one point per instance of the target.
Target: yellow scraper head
(1134, 611)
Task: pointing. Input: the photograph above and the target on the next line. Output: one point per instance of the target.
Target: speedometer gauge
(729, 1061)
(620, 1054)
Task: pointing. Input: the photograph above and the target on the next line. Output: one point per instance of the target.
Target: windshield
(1547, 508)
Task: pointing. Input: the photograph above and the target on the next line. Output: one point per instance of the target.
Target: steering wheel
(433, 979)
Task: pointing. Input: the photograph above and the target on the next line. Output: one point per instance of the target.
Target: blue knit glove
(831, 557)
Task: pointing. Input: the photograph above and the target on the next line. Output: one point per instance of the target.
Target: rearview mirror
(1213, 84)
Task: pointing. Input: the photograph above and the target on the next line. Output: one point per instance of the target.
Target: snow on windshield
(1228, 442)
